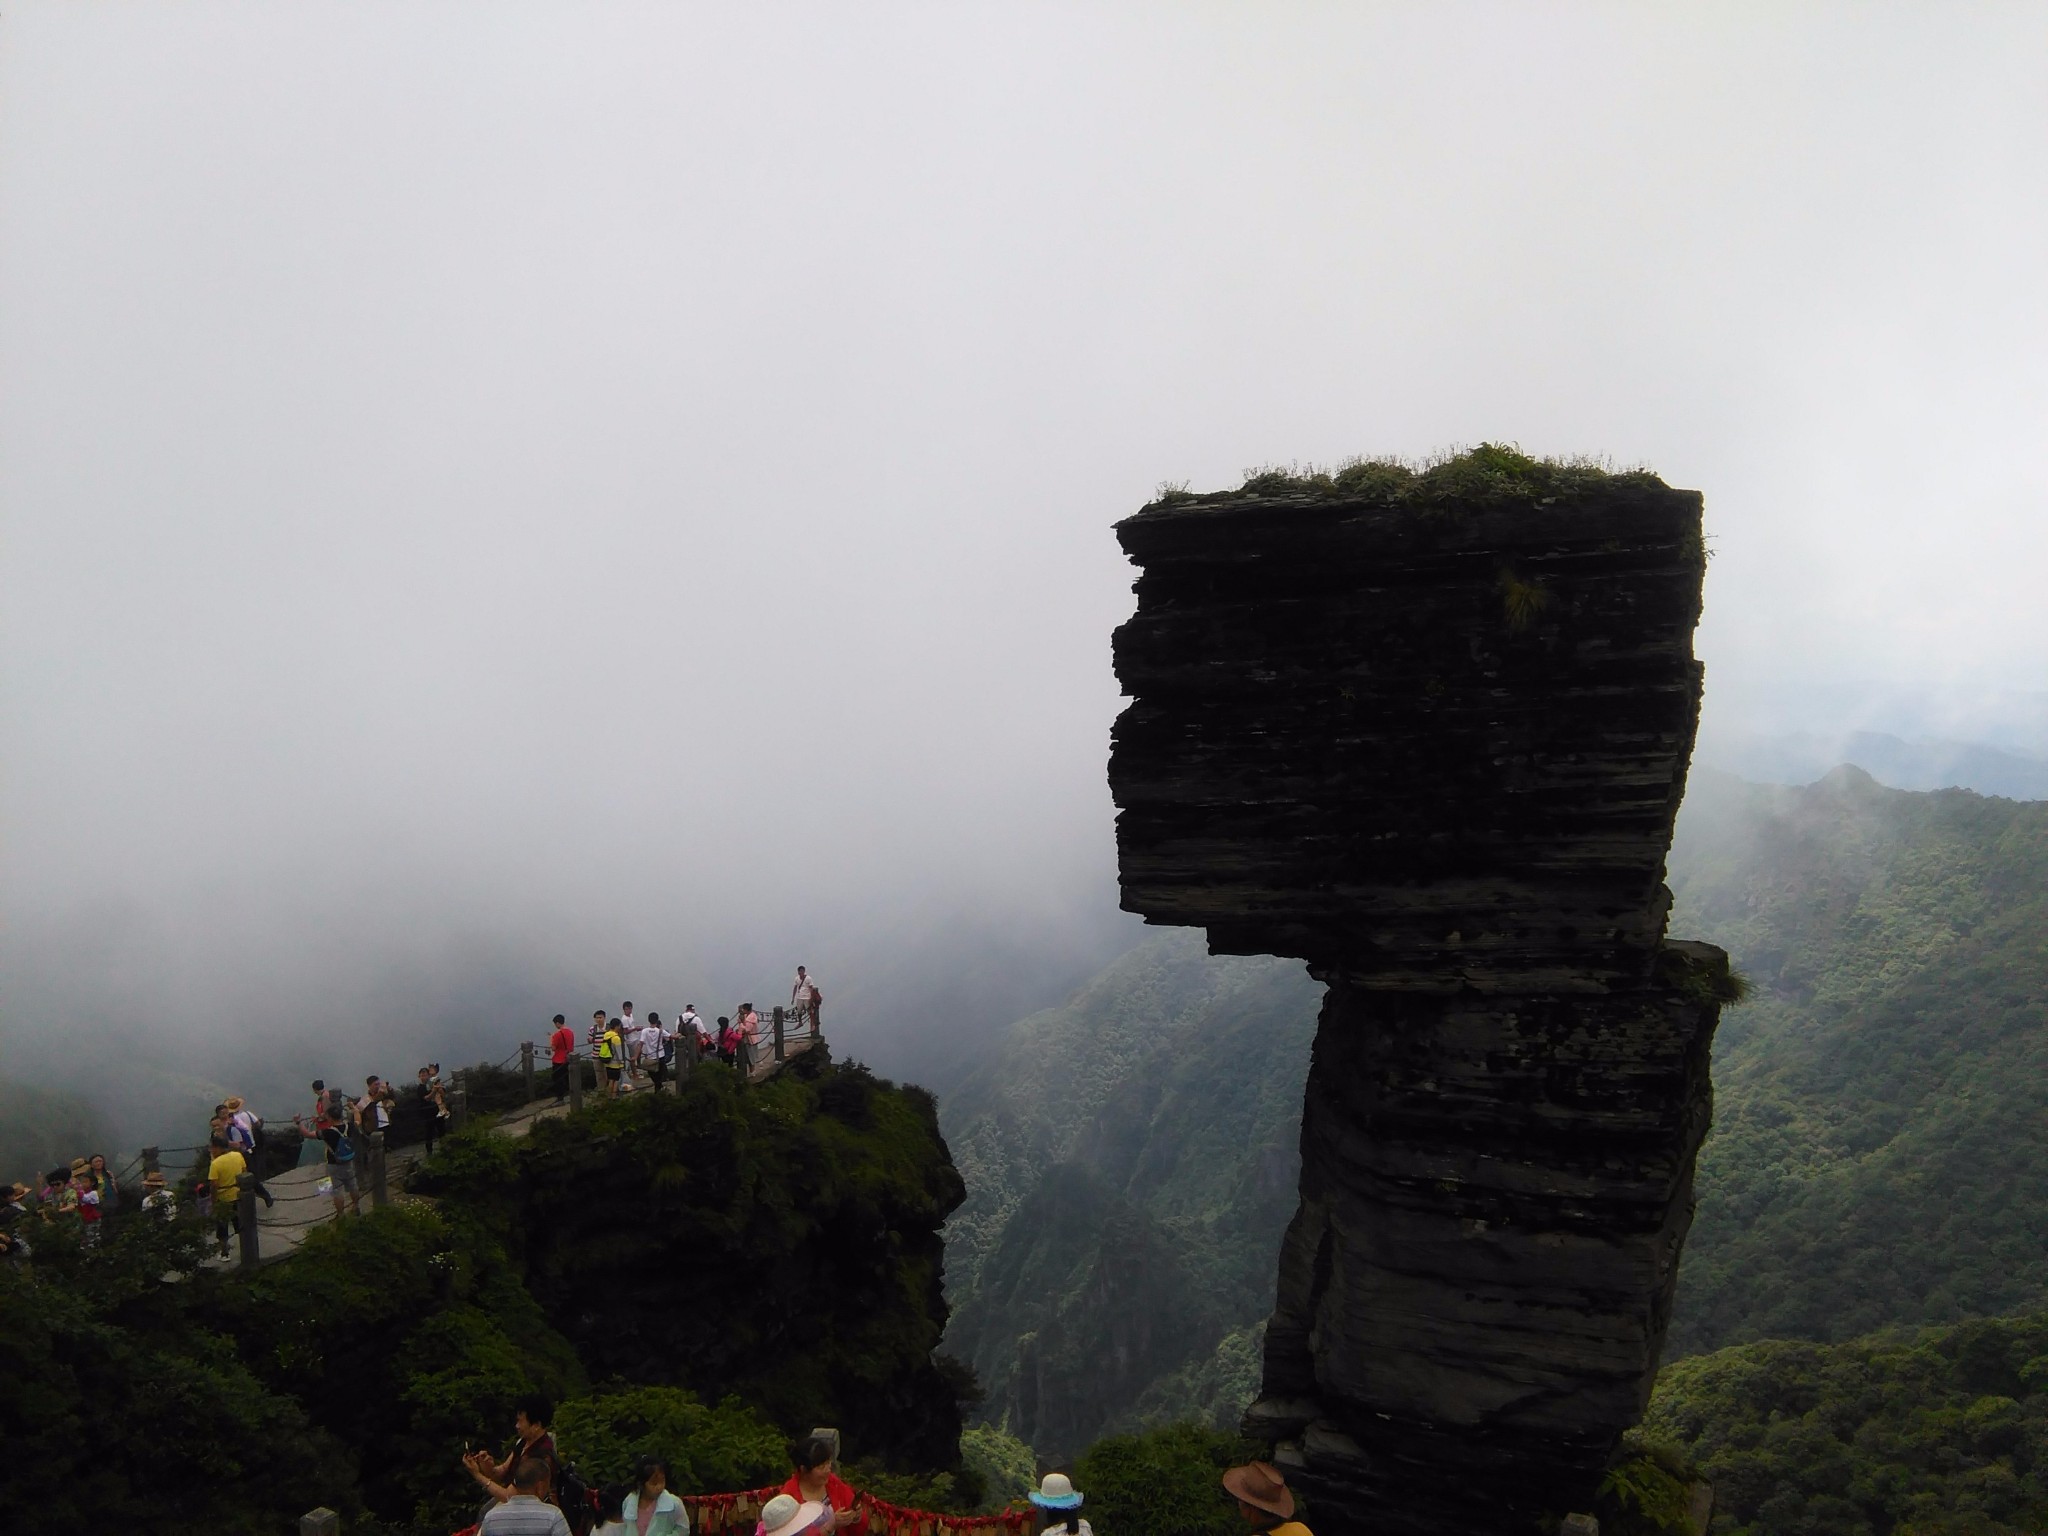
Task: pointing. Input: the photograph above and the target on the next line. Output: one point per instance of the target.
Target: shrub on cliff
(779, 1241)
(708, 1450)
(1007, 1467)
(406, 1337)
(1165, 1482)
(122, 1411)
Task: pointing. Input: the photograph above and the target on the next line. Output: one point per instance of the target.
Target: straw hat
(80, 1165)
(1260, 1485)
(18, 1191)
(1056, 1492)
(233, 1104)
(152, 1180)
(784, 1516)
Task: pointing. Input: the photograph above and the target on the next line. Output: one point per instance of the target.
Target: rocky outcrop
(1430, 734)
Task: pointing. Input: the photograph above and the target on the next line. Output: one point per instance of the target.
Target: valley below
(1878, 1162)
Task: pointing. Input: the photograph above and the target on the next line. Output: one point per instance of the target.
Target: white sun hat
(1056, 1492)
(784, 1516)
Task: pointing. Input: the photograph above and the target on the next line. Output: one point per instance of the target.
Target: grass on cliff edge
(1490, 473)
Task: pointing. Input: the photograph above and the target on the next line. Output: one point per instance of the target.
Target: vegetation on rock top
(1491, 473)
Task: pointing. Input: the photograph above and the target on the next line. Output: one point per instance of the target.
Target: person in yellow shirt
(611, 1049)
(225, 1175)
(1264, 1499)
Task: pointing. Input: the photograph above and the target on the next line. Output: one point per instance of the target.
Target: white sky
(639, 478)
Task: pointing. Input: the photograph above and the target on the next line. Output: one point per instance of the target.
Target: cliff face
(1430, 735)
(780, 1242)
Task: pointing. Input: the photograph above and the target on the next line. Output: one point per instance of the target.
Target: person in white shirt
(804, 999)
(696, 1033)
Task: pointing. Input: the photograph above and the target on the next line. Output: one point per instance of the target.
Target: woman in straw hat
(1264, 1499)
(1058, 1502)
(156, 1195)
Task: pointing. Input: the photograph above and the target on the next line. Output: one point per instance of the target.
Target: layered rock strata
(1433, 744)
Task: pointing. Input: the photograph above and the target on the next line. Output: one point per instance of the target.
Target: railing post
(458, 1107)
(575, 1081)
(320, 1522)
(380, 1189)
(526, 1067)
(152, 1160)
(245, 1217)
(778, 1032)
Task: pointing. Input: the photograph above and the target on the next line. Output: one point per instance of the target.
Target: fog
(508, 507)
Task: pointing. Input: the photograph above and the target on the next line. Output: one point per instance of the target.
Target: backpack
(344, 1150)
(575, 1498)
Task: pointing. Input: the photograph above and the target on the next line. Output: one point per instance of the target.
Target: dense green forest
(1910, 1432)
(1130, 1161)
(1880, 1145)
(1879, 1155)
(1879, 1164)
(702, 1274)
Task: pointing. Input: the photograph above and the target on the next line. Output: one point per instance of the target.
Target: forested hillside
(1130, 1161)
(1879, 1156)
(1880, 1143)
(1912, 1432)
(700, 1275)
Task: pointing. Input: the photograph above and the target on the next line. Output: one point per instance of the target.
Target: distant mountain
(1131, 1160)
(1880, 1143)
(1802, 757)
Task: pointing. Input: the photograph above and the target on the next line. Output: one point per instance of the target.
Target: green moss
(1491, 474)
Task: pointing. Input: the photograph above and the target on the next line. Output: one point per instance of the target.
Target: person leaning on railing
(561, 1045)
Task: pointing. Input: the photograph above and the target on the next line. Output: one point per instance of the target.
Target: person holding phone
(814, 1481)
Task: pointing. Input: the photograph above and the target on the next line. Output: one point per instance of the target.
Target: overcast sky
(634, 483)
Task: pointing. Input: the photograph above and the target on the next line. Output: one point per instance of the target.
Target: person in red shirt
(560, 1044)
(814, 1481)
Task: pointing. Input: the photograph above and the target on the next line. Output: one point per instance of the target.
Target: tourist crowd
(530, 1492)
(629, 1053)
